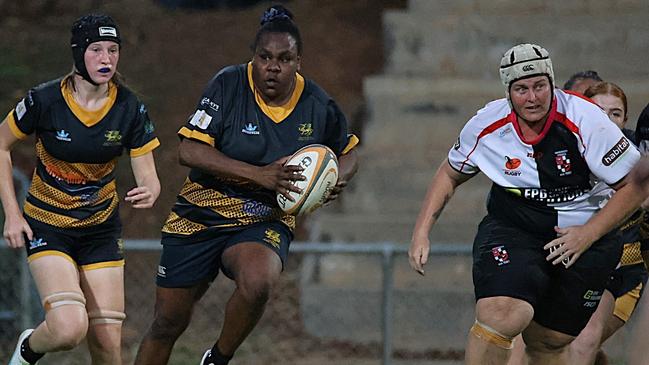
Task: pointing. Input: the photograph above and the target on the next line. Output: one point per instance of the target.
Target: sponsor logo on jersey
(256, 209)
(563, 163)
(113, 138)
(559, 195)
(504, 132)
(21, 109)
(250, 129)
(614, 153)
(107, 31)
(62, 135)
(36, 243)
(501, 255)
(306, 132)
(272, 237)
(201, 119)
(209, 103)
(511, 166)
(162, 271)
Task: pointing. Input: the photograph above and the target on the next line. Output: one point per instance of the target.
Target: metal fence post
(387, 302)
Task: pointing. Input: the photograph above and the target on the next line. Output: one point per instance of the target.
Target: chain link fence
(335, 303)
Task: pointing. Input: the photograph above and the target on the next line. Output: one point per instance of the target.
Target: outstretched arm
(440, 191)
(15, 225)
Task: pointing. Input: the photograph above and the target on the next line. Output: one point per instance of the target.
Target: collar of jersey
(89, 117)
(552, 116)
(277, 113)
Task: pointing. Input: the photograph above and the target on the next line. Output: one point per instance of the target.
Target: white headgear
(522, 61)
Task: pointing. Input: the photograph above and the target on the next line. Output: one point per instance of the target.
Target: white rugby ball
(321, 171)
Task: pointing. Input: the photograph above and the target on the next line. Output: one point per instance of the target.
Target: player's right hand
(418, 253)
(15, 229)
(280, 178)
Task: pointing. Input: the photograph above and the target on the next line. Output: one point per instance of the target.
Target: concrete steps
(471, 45)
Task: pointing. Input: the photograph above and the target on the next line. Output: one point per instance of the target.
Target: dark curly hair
(278, 19)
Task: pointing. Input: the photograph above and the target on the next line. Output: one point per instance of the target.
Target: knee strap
(63, 298)
(492, 336)
(103, 316)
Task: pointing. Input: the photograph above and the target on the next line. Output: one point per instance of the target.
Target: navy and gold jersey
(234, 119)
(73, 185)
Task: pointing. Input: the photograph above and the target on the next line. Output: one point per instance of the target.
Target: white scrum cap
(522, 61)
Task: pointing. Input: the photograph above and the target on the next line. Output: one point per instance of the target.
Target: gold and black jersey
(234, 119)
(631, 235)
(73, 185)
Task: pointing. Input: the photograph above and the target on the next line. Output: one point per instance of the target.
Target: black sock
(27, 353)
(217, 357)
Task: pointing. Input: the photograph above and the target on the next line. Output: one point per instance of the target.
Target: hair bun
(276, 12)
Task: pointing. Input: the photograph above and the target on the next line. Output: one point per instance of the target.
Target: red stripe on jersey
(579, 95)
(489, 129)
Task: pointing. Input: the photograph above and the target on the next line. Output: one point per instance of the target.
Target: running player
(248, 120)
(70, 226)
(543, 252)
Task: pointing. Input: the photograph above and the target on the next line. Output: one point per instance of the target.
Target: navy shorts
(89, 248)
(190, 260)
(507, 261)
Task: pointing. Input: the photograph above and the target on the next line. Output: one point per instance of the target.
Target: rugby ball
(321, 171)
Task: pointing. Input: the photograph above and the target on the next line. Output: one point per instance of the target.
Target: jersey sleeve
(459, 156)
(336, 136)
(609, 154)
(205, 124)
(23, 119)
(143, 139)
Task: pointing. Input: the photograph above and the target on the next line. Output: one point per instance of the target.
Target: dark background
(171, 48)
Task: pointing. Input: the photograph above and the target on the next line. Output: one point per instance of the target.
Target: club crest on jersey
(250, 129)
(113, 138)
(306, 132)
(511, 166)
(563, 163)
(501, 255)
(272, 237)
(62, 135)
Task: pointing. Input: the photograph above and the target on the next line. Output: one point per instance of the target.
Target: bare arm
(274, 176)
(573, 241)
(15, 225)
(146, 178)
(440, 191)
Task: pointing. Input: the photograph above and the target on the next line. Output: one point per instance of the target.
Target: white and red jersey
(546, 182)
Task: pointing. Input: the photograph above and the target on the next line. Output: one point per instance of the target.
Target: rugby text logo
(511, 166)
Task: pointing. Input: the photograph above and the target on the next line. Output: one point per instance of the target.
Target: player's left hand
(140, 197)
(570, 244)
(336, 190)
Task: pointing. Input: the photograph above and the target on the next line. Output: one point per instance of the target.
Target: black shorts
(189, 260)
(508, 261)
(89, 248)
(627, 285)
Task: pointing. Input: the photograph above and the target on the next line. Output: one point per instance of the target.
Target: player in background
(581, 81)
(250, 118)
(70, 225)
(543, 252)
